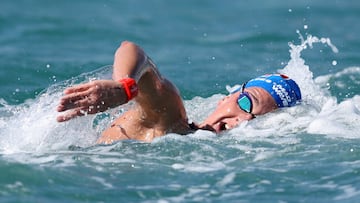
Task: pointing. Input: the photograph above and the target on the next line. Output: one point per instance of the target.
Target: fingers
(77, 104)
(80, 111)
(82, 99)
(74, 100)
(77, 88)
(71, 114)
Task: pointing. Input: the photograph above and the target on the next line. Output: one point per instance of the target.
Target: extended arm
(156, 94)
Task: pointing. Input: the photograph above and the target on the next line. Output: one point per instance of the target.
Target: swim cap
(284, 90)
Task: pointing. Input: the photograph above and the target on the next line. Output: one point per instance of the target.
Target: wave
(319, 112)
(32, 126)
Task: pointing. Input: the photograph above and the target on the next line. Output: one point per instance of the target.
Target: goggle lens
(244, 102)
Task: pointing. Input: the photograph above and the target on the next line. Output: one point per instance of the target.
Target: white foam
(319, 112)
(338, 120)
(348, 192)
(103, 182)
(227, 179)
(31, 127)
(301, 73)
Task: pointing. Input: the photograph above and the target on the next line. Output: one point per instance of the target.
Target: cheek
(228, 110)
(229, 106)
(222, 100)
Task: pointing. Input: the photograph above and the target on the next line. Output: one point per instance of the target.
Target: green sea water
(308, 153)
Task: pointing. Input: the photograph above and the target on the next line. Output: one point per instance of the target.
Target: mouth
(224, 126)
(216, 127)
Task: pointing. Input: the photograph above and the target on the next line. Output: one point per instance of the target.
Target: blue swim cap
(284, 90)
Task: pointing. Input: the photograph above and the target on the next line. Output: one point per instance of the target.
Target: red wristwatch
(130, 87)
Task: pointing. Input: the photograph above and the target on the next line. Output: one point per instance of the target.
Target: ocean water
(308, 153)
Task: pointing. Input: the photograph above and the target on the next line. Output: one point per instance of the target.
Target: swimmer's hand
(90, 98)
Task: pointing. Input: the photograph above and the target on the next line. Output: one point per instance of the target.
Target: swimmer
(158, 108)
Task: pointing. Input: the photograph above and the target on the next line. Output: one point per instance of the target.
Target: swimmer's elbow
(131, 50)
(131, 46)
(127, 43)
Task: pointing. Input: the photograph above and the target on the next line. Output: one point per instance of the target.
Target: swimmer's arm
(90, 98)
(100, 95)
(156, 95)
(131, 61)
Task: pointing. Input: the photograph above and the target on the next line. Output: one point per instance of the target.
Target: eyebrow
(253, 97)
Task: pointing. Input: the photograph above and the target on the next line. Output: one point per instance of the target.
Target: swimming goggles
(244, 100)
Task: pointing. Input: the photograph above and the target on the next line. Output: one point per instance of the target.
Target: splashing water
(300, 72)
(31, 127)
(330, 118)
(319, 112)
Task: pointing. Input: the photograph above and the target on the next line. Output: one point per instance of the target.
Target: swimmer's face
(228, 114)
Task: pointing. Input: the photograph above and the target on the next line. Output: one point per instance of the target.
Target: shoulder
(160, 100)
